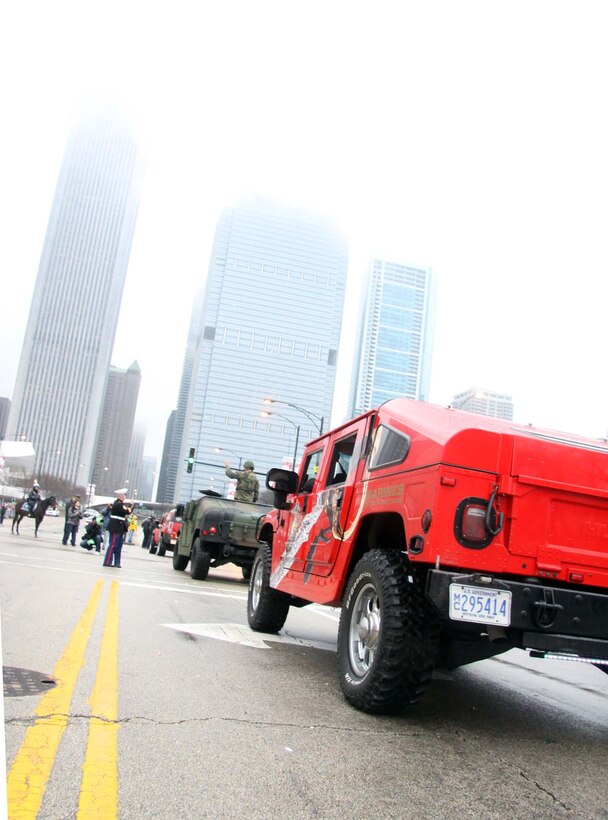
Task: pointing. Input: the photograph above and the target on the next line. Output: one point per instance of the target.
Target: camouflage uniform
(247, 486)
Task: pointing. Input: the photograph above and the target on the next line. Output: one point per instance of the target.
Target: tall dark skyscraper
(267, 326)
(76, 302)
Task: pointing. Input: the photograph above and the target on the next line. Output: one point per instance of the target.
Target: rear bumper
(550, 619)
(555, 645)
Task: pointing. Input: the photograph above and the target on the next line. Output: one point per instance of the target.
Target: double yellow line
(33, 763)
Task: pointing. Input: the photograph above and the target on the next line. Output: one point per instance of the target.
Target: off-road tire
(267, 608)
(180, 562)
(388, 634)
(199, 562)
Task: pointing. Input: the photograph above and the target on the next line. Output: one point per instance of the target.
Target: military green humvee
(217, 531)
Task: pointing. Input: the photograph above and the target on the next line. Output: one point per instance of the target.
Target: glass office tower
(267, 327)
(74, 312)
(396, 336)
(484, 402)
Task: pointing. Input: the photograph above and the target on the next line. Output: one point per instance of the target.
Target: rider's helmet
(249, 465)
(35, 485)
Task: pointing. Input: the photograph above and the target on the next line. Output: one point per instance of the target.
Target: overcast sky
(468, 136)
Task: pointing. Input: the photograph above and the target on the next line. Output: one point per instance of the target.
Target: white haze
(467, 136)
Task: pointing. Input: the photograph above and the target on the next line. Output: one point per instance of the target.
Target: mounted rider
(33, 498)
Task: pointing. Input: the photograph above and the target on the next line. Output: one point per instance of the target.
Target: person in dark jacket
(147, 527)
(73, 514)
(93, 535)
(105, 514)
(117, 526)
(33, 498)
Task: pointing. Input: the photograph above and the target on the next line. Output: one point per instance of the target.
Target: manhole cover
(19, 683)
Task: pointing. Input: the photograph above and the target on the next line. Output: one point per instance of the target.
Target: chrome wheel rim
(364, 632)
(256, 584)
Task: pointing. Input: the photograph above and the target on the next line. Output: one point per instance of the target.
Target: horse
(41, 509)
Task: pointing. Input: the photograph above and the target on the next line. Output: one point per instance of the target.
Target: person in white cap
(116, 528)
(33, 498)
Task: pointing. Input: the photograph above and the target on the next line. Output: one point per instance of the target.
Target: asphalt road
(209, 720)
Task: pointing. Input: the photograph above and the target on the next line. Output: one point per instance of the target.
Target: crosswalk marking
(244, 636)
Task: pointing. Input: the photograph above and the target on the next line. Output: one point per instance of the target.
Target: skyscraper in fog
(267, 327)
(75, 306)
(135, 462)
(168, 465)
(5, 409)
(146, 478)
(396, 336)
(171, 462)
(115, 435)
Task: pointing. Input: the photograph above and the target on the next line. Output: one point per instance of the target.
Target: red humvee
(446, 537)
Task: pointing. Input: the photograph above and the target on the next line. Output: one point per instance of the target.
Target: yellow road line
(99, 789)
(28, 776)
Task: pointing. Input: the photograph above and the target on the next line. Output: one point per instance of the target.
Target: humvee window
(340, 460)
(389, 447)
(309, 474)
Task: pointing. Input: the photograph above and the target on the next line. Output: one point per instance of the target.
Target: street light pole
(267, 413)
(232, 452)
(41, 465)
(318, 421)
(88, 482)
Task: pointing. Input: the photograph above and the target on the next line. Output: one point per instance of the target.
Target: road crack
(545, 791)
(538, 786)
(124, 720)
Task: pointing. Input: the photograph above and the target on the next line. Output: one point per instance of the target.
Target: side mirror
(282, 483)
(179, 510)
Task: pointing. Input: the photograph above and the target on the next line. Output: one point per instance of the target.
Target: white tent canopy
(17, 456)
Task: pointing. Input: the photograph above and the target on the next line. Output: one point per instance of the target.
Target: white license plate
(480, 606)
(174, 541)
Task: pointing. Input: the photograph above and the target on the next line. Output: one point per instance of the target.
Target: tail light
(473, 523)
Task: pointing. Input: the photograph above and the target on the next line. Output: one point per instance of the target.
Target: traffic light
(190, 460)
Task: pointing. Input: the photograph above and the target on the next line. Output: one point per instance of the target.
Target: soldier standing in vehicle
(247, 485)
